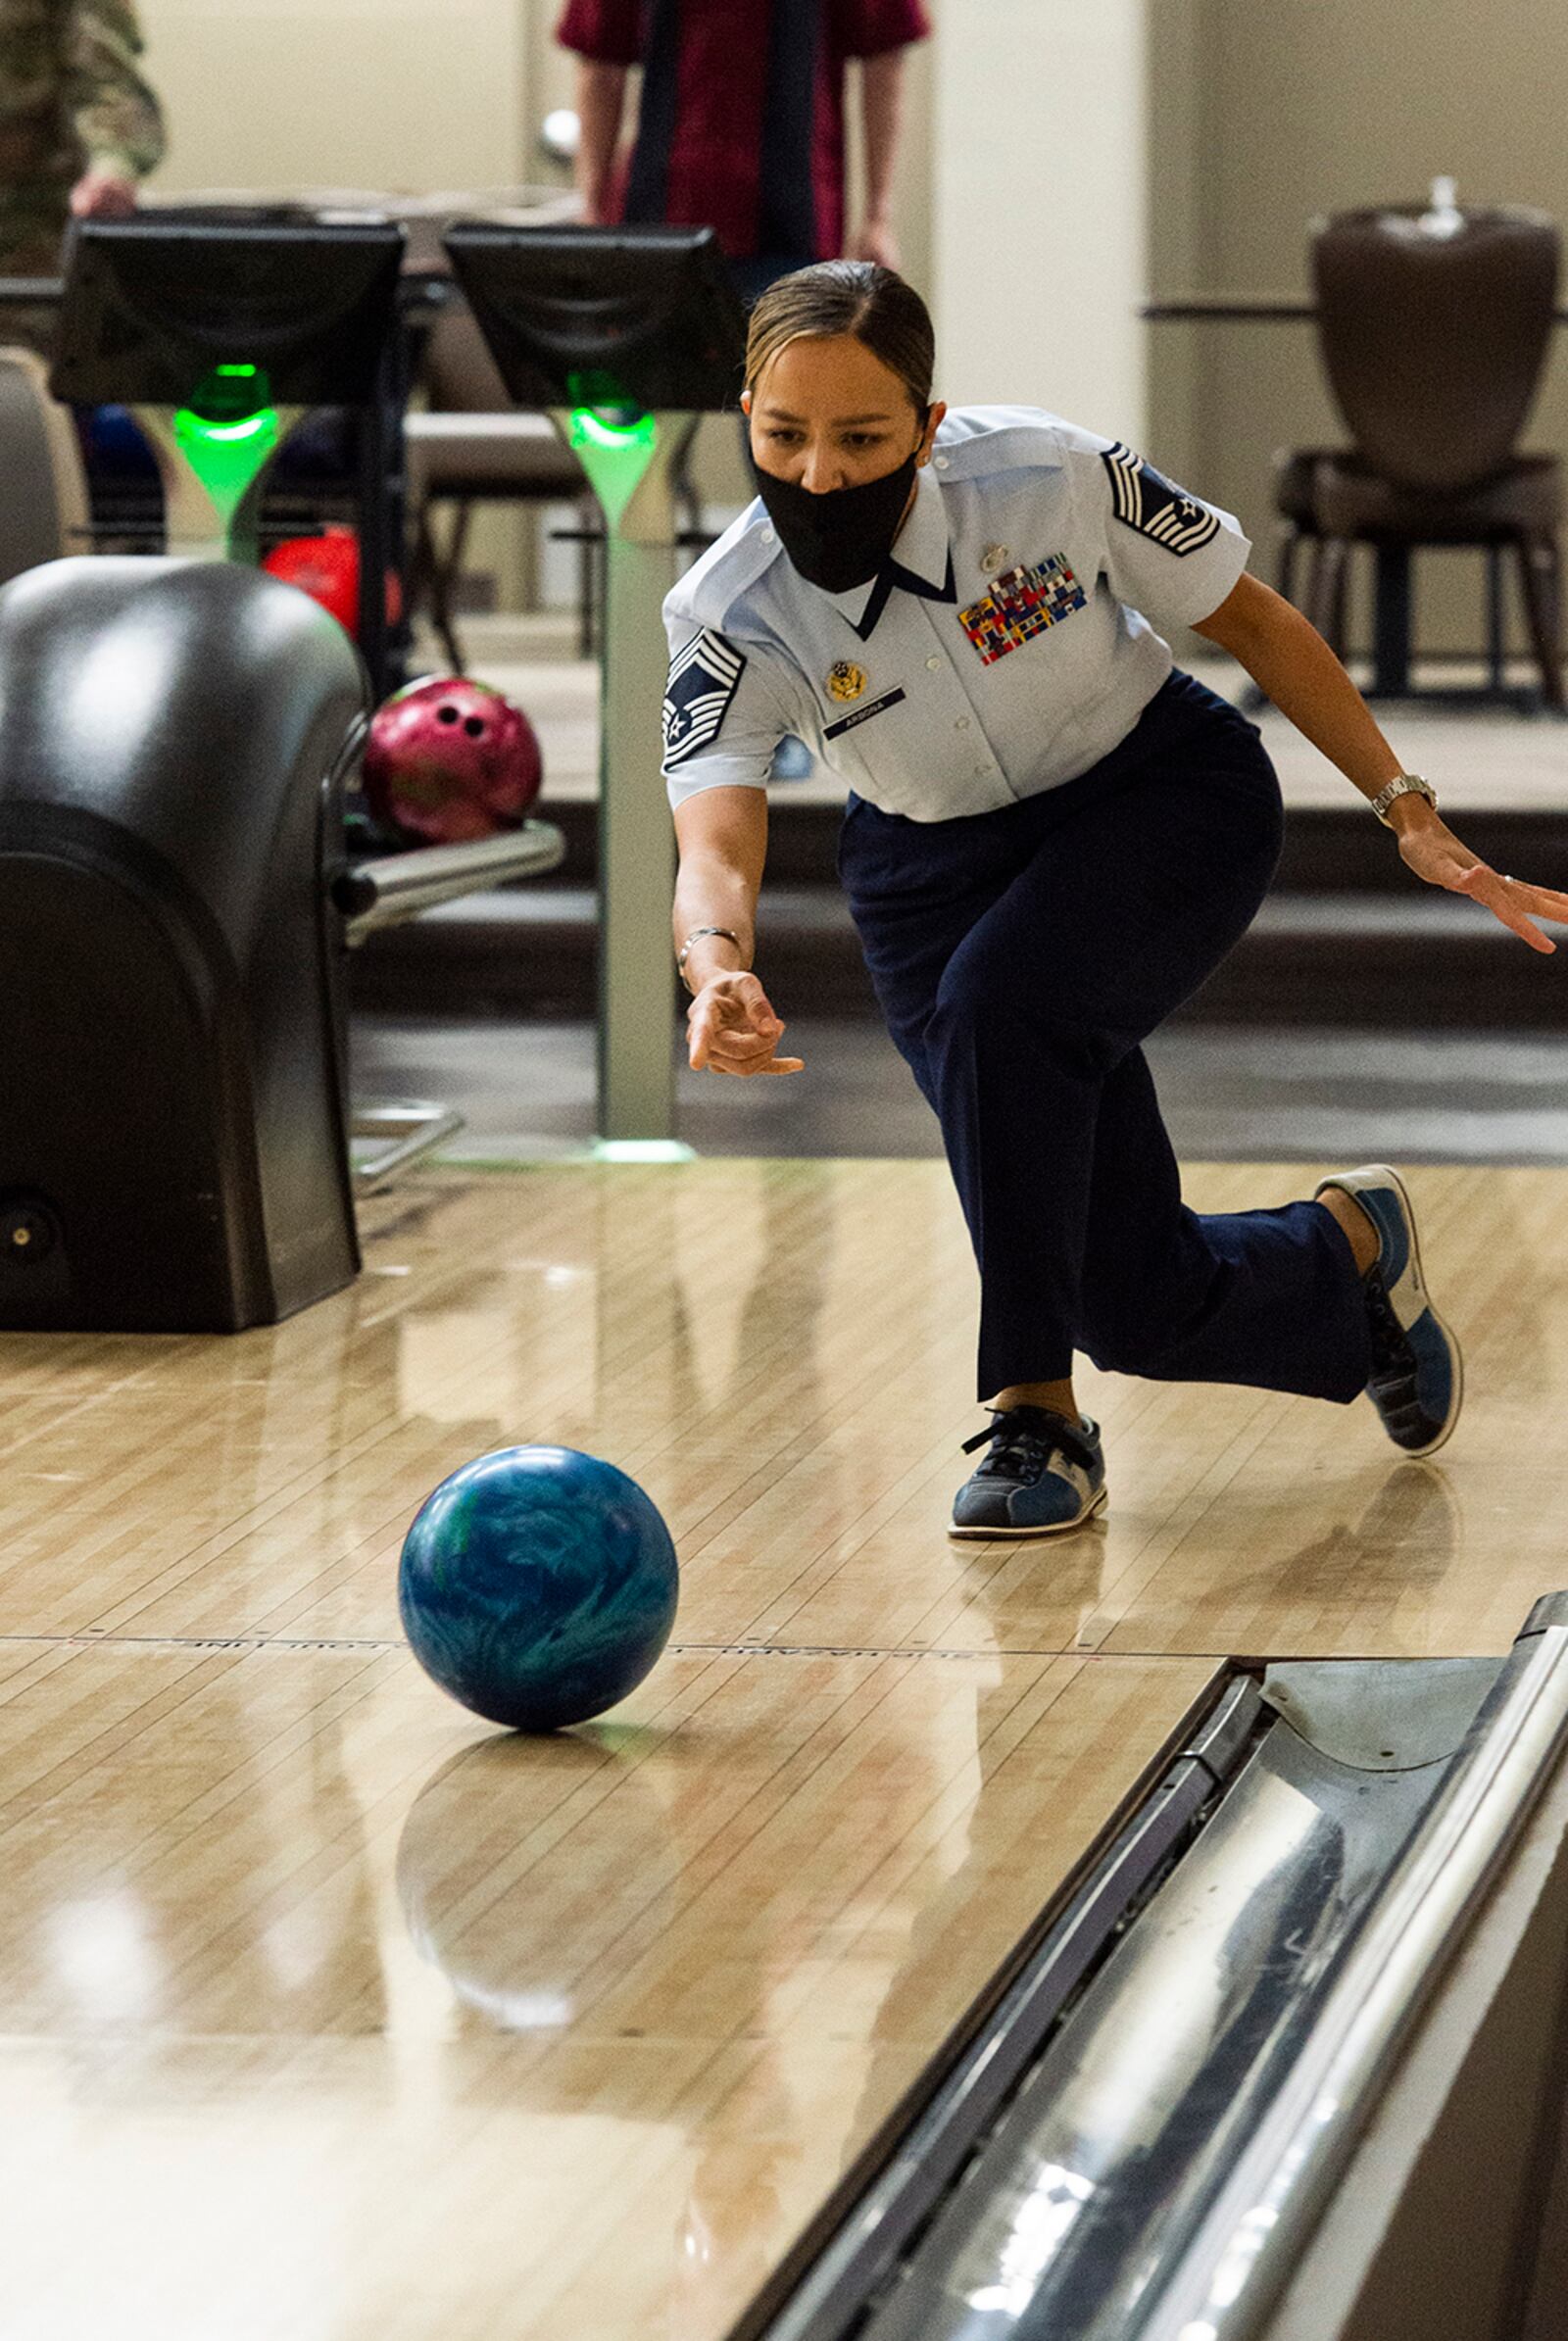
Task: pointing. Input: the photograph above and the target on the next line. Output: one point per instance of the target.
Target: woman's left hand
(1431, 848)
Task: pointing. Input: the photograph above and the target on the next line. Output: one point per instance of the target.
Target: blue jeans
(1021, 958)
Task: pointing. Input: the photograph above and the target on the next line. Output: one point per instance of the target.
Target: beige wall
(405, 94)
(1267, 115)
(1039, 206)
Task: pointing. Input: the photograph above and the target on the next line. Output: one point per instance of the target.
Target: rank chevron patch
(703, 680)
(1154, 506)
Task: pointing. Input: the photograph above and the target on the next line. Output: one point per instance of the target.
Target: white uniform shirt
(1013, 645)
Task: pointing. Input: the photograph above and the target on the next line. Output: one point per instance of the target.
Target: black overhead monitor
(631, 317)
(288, 310)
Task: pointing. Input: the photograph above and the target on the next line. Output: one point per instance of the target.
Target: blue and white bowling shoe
(1418, 1382)
(1043, 1475)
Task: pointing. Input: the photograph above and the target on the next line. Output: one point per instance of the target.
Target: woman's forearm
(711, 895)
(723, 846)
(1288, 660)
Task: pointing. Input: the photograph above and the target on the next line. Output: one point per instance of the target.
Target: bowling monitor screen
(629, 319)
(158, 309)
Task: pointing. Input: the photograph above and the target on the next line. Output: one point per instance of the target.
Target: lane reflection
(528, 1942)
(741, 1890)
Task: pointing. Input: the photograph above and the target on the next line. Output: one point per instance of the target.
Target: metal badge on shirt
(1020, 605)
(846, 681)
(1154, 506)
(703, 680)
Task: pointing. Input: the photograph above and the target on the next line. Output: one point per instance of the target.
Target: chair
(473, 447)
(43, 513)
(1434, 328)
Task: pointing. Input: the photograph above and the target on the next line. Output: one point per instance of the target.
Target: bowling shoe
(1418, 1382)
(1042, 1475)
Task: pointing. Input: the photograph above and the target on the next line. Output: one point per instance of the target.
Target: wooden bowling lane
(331, 2016)
(1320, 1540)
(781, 1353)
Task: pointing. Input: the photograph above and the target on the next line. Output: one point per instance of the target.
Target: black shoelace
(1390, 1347)
(1022, 1440)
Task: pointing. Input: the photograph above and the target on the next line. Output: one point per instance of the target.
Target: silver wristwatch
(1404, 784)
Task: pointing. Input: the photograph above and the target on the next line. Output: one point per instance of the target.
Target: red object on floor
(327, 569)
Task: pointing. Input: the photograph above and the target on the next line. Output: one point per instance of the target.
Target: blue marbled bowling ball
(537, 1586)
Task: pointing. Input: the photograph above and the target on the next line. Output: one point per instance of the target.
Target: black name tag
(874, 706)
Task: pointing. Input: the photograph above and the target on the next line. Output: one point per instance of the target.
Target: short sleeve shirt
(1013, 640)
(741, 121)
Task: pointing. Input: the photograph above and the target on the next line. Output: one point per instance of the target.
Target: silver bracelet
(696, 936)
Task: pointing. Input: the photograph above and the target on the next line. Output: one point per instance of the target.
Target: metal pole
(636, 855)
(635, 485)
(372, 491)
(1390, 624)
(382, 498)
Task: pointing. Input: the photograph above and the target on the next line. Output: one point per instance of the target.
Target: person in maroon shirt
(741, 123)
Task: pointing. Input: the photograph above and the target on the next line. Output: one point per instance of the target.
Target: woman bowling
(1052, 837)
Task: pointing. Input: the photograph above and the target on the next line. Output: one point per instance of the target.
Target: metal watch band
(1404, 784)
(696, 936)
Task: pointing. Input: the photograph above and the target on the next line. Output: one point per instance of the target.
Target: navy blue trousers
(1020, 957)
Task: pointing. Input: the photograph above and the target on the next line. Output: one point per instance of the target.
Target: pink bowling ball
(448, 760)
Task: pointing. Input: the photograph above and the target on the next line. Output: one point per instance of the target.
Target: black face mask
(842, 539)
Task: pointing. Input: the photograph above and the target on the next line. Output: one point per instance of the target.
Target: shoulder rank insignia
(1021, 605)
(703, 680)
(1154, 506)
(846, 681)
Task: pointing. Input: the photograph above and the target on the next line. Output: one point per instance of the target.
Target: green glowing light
(227, 456)
(590, 429)
(615, 454)
(229, 432)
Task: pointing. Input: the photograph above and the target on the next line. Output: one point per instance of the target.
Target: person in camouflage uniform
(79, 129)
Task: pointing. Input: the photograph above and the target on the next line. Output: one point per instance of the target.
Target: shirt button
(981, 772)
(933, 663)
(770, 537)
(963, 724)
(941, 463)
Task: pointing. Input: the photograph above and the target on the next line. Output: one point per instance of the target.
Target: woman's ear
(933, 423)
(746, 404)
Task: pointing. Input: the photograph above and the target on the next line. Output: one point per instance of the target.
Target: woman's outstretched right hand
(732, 1029)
